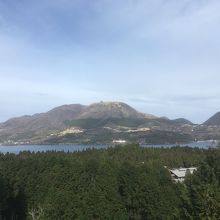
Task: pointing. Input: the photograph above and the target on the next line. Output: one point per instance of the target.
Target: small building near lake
(119, 141)
(178, 175)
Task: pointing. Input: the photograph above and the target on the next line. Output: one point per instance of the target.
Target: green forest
(123, 182)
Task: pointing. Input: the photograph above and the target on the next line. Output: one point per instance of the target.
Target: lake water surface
(79, 147)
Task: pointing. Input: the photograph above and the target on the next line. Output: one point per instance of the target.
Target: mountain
(214, 120)
(112, 110)
(182, 121)
(53, 119)
(38, 126)
(57, 117)
(99, 121)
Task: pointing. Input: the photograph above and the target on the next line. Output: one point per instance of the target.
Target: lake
(79, 147)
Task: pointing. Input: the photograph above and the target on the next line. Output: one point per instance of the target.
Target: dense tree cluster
(127, 182)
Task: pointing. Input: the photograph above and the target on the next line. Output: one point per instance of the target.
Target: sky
(160, 56)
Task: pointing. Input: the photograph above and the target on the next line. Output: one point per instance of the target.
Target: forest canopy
(128, 182)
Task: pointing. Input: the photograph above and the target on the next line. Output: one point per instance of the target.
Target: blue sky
(160, 56)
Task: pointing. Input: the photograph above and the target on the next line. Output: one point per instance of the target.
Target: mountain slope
(214, 120)
(182, 121)
(81, 122)
(53, 119)
(103, 110)
(57, 117)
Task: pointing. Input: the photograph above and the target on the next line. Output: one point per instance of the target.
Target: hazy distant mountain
(214, 120)
(87, 122)
(53, 119)
(56, 118)
(182, 121)
(111, 110)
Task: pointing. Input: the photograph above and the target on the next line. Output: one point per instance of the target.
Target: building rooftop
(180, 173)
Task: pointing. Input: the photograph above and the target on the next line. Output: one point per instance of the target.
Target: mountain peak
(214, 120)
(182, 121)
(117, 117)
(110, 110)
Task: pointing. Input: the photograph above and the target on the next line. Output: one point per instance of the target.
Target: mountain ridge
(213, 120)
(84, 123)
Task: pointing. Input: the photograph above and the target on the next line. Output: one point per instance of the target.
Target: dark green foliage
(89, 123)
(204, 189)
(12, 202)
(127, 182)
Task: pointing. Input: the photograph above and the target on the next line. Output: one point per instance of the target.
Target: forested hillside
(127, 182)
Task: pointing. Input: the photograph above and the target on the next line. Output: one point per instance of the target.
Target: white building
(178, 175)
(119, 141)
